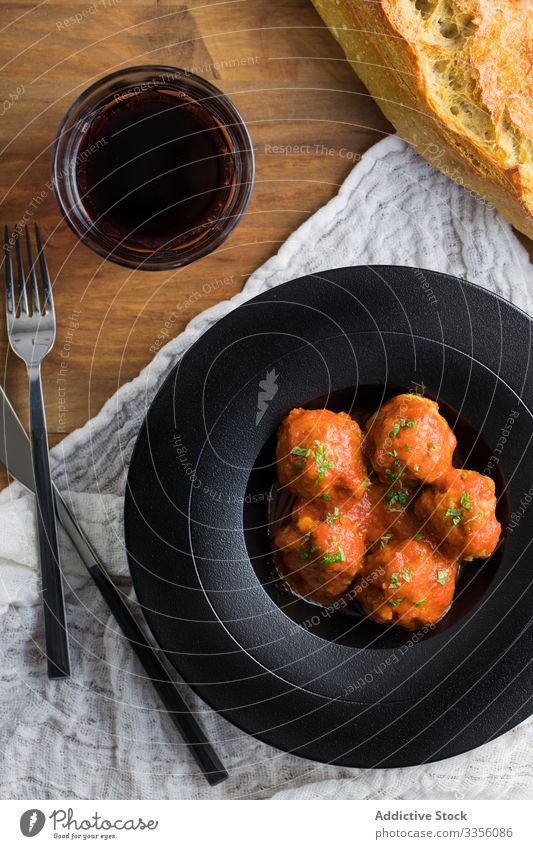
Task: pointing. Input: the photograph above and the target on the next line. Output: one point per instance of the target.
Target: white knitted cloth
(101, 734)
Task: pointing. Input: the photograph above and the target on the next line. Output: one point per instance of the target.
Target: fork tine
(31, 273)
(10, 294)
(23, 295)
(45, 277)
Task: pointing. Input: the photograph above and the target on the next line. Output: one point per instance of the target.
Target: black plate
(326, 685)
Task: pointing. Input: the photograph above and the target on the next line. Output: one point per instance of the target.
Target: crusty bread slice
(455, 77)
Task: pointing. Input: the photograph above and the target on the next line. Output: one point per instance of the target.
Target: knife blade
(15, 455)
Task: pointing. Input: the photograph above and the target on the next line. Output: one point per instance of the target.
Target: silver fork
(31, 328)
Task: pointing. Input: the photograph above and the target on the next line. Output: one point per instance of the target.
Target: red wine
(155, 169)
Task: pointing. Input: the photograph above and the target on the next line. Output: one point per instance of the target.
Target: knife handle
(180, 714)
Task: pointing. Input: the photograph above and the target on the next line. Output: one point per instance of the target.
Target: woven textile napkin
(102, 734)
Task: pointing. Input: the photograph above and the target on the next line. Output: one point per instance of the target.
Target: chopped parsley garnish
(298, 466)
(419, 536)
(366, 483)
(392, 453)
(384, 539)
(321, 460)
(395, 602)
(396, 473)
(475, 516)
(421, 602)
(465, 501)
(397, 425)
(406, 575)
(455, 514)
(326, 497)
(431, 445)
(300, 452)
(407, 447)
(305, 553)
(334, 558)
(443, 576)
(394, 584)
(396, 498)
(331, 517)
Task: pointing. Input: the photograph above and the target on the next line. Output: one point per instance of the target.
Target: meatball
(459, 512)
(319, 454)
(407, 440)
(407, 583)
(384, 514)
(320, 552)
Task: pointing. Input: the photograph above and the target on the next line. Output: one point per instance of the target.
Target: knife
(15, 454)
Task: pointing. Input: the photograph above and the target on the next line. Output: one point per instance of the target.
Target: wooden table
(310, 120)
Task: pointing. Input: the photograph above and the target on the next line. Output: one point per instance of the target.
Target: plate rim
(171, 375)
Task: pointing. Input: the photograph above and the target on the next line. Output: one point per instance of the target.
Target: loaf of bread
(455, 77)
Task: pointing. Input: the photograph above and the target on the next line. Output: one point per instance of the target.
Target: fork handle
(56, 640)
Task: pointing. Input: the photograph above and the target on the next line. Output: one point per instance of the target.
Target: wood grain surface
(309, 116)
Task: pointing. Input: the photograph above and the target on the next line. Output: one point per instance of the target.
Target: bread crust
(455, 77)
